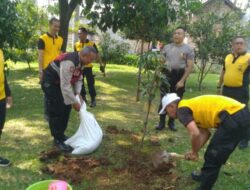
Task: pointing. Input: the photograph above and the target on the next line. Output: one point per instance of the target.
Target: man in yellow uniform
(5, 99)
(87, 70)
(235, 77)
(49, 47)
(231, 119)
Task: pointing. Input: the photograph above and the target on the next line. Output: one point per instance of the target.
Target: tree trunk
(202, 70)
(139, 76)
(149, 43)
(145, 127)
(136, 46)
(65, 11)
(76, 20)
(29, 65)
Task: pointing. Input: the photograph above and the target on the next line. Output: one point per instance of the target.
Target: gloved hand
(102, 68)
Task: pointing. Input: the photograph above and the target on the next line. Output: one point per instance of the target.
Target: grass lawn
(26, 134)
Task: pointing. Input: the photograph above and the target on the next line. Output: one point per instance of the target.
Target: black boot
(93, 103)
(243, 144)
(171, 125)
(85, 100)
(196, 176)
(161, 124)
(62, 146)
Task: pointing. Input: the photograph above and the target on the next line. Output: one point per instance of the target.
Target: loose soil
(127, 165)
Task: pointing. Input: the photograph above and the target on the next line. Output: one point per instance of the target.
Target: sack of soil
(89, 134)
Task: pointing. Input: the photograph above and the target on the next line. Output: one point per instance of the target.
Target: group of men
(228, 114)
(62, 78)
(62, 74)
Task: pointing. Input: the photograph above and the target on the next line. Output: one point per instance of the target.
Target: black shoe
(196, 176)
(243, 144)
(171, 126)
(4, 162)
(85, 100)
(160, 126)
(65, 138)
(93, 104)
(62, 146)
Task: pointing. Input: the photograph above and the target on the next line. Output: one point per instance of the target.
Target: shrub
(114, 50)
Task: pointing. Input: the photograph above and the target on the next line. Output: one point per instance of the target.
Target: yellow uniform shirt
(79, 45)
(2, 89)
(51, 46)
(235, 70)
(206, 109)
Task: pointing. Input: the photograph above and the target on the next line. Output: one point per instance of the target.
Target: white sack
(89, 134)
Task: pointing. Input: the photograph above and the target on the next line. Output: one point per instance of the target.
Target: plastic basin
(43, 185)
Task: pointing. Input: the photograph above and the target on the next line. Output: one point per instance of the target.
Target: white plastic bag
(89, 134)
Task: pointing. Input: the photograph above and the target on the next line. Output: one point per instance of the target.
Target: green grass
(26, 133)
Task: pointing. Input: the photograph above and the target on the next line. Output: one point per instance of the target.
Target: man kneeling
(231, 119)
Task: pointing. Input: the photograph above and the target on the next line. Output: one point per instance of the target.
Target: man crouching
(231, 119)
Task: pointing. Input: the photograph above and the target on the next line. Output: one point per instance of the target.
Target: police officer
(179, 57)
(5, 99)
(231, 119)
(61, 83)
(49, 47)
(87, 70)
(235, 77)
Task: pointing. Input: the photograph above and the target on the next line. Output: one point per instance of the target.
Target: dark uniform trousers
(222, 144)
(240, 94)
(174, 77)
(2, 114)
(57, 110)
(88, 73)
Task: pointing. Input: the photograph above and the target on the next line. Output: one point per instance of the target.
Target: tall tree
(66, 9)
(8, 21)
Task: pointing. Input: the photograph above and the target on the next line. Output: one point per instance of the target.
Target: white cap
(166, 100)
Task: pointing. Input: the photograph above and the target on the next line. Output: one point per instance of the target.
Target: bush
(115, 51)
(17, 55)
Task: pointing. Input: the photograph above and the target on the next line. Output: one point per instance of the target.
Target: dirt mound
(112, 129)
(74, 169)
(139, 166)
(49, 154)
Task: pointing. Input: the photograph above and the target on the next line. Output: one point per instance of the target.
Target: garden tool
(164, 157)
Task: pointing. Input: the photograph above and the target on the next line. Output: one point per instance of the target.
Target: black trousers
(240, 94)
(222, 144)
(2, 114)
(57, 111)
(88, 73)
(174, 77)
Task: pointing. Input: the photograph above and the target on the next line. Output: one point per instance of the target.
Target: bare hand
(191, 156)
(9, 102)
(81, 99)
(179, 85)
(76, 106)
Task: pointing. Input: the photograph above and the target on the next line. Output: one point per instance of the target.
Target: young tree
(137, 19)
(151, 65)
